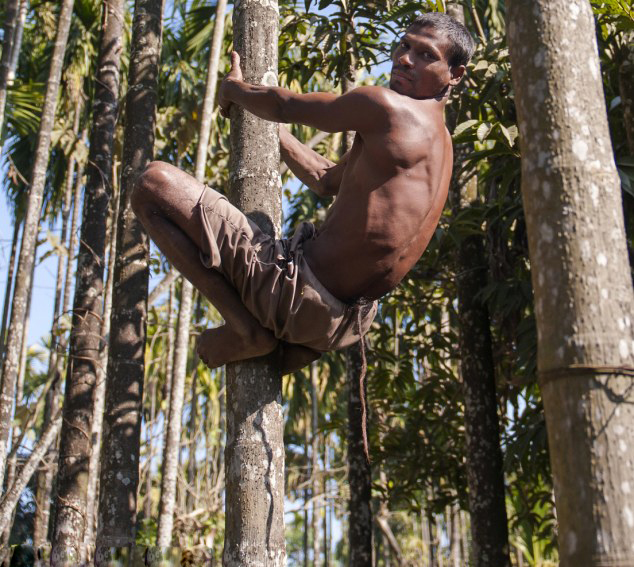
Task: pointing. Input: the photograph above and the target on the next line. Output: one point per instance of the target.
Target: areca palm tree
(31, 223)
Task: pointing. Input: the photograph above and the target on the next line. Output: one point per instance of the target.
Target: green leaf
(483, 131)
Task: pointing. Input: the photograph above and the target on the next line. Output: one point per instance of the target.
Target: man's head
(431, 56)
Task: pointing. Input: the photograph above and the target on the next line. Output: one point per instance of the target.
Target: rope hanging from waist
(364, 368)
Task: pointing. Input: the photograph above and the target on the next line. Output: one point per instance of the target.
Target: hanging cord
(364, 368)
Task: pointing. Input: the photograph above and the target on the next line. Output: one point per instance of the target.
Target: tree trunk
(120, 449)
(86, 339)
(306, 478)
(359, 471)
(626, 88)
(254, 519)
(31, 225)
(175, 415)
(314, 453)
(579, 266)
(489, 528)
(92, 491)
(210, 90)
(10, 24)
(484, 463)
(17, 42)
(45, 476)
(14, 490)
(9, 286)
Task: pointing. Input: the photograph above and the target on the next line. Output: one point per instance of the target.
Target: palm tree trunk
(210, 90)
(359, 471)
(120, 449)
(579, 267)
(314, 453)
(85, 338)
(92, 491)
(10, 24)
(46, 475)
(31, 225)
(254, 518)
(175, 414)
(9, 286)
(17, 42)
(168, 480)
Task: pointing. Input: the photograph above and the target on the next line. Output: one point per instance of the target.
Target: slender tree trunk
(307, 476)
(31, 225)
(100, 387)
(170, 462)
(314, 453)
(9, 286)
(86, 339)
(327, 507)
(210, 90)
(14, 491)
(191, 497)
(10, 24)
(19, 387)
(485, 475)
(626, 87)
(579, 266)
(120, 449)
(254, 518)
(175, 415)
(359, 471)
(46, 475)
(17, 42)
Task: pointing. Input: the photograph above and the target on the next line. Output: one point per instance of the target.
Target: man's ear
(457, 73)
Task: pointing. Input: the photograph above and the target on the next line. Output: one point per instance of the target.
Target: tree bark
(314, 454)
(10, 25)
(175, 415)
(626, 88)
(31, 225)
(484, 463)
(254, 519)
(359, 471)
(14, 491)
(579, 268)
(86, 338)
(17, 42)
(9, 286)
(124, 385)
(92, 491)
(46, 475)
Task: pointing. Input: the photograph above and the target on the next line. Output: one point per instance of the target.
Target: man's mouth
(401, 74)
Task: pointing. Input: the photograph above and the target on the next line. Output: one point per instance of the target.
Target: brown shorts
(275, 282)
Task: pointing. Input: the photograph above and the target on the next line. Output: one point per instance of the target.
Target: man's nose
(405, 60)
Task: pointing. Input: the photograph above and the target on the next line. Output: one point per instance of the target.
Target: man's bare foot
(295, 357)
(221, 345)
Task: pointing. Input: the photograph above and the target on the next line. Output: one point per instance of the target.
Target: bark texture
(120, 450)
(86, 338)
(359, 470)
(31, 226)
(254, 520)
(171, 449)
(484, 463)
(579, 265)
(10, 24)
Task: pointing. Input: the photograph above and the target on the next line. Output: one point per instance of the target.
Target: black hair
(462, 44)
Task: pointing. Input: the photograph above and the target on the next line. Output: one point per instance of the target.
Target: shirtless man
(391, 188)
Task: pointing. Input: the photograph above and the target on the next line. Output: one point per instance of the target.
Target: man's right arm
(319, 174)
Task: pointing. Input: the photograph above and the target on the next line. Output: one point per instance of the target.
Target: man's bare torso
(391, 196)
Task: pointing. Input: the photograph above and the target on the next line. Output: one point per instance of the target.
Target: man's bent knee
(148, 185)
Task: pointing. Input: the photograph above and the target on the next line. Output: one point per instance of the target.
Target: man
(317, 291)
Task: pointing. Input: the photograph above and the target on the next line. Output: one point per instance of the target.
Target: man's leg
(165, 200)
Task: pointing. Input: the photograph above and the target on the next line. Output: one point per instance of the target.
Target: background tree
(577, 245)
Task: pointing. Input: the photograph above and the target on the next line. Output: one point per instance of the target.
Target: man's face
(419, 65)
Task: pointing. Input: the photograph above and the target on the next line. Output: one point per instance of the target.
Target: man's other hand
(234, 75)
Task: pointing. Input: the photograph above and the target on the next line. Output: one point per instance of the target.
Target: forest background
(420, 458)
